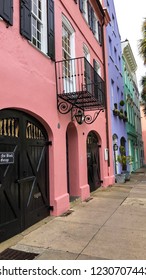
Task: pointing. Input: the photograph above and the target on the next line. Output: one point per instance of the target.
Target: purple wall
(116, 81)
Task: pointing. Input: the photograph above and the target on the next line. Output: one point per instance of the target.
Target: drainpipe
(105, 78)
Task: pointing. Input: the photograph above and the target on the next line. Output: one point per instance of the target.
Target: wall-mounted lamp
(80, 117)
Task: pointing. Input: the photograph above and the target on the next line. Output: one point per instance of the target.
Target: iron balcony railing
(79, 84)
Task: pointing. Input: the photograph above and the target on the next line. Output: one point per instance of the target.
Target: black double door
(23, 172)
(93, 161)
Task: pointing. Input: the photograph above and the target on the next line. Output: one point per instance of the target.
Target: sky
(130, 15)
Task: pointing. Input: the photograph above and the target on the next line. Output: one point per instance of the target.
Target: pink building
(52, 74)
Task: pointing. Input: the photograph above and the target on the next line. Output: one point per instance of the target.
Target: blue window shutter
(25, 18)
(6, 10)
(51, 30)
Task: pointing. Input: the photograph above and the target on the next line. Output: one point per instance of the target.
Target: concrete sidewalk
(110, 225)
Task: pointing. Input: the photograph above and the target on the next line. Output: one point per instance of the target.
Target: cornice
(128, 54)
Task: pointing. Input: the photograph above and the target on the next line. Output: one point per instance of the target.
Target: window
(87, 67)
(68, 52)
(112, 88)
(119, 62)
(6, 10)
(91, 19)
(110, 48)
(97, 67)
(67, 45)
(97, 30)
(113, 23)
(108, 6)
(37, 24)
(115, 56)
(83, 8)
(86, 52)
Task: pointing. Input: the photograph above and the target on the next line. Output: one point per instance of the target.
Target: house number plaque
(6, 157)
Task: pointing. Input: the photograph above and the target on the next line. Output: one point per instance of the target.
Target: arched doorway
(93, 161)
(72, 162)
(23, 172)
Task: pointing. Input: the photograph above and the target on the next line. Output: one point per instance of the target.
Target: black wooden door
(93, 161)
(23, 172)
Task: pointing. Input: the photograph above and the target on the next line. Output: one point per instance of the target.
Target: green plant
(122, 150)
(121, 115)
(122, 103)
(142, 43)
(116, 112)
(123, 159)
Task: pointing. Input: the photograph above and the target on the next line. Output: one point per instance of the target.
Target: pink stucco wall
(28, 83)
(143, 126)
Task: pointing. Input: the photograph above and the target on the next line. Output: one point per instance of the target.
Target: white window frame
(85, 10)
(96, 27)
(43, 23)
(98, 68)
(86, 52)
(69, 83)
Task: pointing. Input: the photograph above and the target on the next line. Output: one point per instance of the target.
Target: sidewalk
(110, 225)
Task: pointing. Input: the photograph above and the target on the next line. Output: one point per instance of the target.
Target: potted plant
(124, 159)
(121, 115)
(116, 112)
(125, 119)
(122, 103)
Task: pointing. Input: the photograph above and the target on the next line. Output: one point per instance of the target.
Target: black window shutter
(81, 5)
(6, 10)
(51, 30)
(95, 73)
(100, 33)
(94, 63)
(25, 18)
(89, 14)
(92, 20)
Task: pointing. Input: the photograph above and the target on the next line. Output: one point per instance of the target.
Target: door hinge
(101, 181)
(99, 146)
(51, 208)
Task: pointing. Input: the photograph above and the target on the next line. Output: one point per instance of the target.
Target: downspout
(105, 78)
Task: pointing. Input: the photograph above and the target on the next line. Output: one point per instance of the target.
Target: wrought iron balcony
(79, 85)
